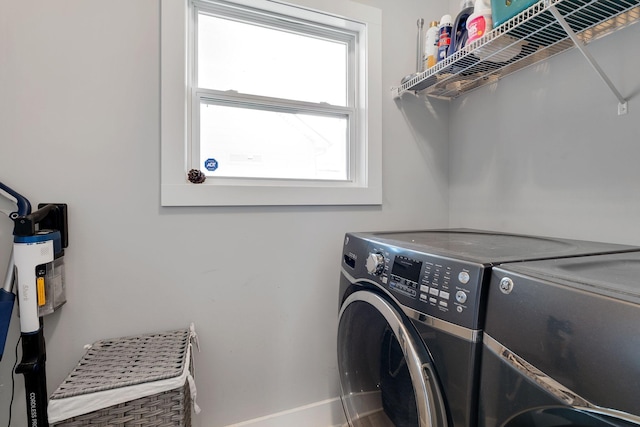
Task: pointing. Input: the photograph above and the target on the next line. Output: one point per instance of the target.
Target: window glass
(266, 61)
(257, 143)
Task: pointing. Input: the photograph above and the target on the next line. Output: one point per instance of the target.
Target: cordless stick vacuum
(7, 297)
(38, 247)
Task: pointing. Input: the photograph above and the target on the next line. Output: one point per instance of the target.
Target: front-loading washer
(412, 308)
(562, 343)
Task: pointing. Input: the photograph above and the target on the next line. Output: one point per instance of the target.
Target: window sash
(335, 29)
(214, 97)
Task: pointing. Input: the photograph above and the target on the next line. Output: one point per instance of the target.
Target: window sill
(235, 195)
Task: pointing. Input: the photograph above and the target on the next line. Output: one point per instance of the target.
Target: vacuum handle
(24, 207)
(26, 225)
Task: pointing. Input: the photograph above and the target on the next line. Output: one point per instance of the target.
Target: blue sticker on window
(211, 164)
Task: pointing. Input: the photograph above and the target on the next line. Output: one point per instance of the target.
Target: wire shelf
(528, 38)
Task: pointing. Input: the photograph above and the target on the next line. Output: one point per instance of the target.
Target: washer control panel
(445, 288)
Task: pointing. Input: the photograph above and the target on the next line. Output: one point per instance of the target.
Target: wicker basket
(119, 382)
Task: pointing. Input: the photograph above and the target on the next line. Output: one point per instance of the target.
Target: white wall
(544, 151)
(79, 124)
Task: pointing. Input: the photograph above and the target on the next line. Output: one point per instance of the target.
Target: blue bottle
(444, 37)
(459, 34)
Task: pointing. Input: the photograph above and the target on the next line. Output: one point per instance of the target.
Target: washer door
(386, 374)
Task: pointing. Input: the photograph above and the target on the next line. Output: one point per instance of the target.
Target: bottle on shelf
(479, 22)
(431, 46)
(459, 32)
(444, 37)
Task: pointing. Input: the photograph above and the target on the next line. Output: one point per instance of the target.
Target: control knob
(375, 263)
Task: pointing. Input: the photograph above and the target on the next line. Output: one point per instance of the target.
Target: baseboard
(327, 413)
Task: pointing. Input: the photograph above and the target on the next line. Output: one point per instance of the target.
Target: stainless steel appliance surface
(412, 308)
(561, 343)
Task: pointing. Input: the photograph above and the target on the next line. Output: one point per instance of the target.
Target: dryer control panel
(437, 286)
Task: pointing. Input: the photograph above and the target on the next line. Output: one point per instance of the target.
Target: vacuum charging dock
(44, 260)
(39, 254)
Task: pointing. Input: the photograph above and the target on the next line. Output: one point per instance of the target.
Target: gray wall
(79, 123)
(544, 151)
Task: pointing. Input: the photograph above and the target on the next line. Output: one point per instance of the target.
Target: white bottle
(431, 46)
(479, 22)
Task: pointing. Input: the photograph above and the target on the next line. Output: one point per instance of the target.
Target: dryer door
(386, 373)
(562, 416)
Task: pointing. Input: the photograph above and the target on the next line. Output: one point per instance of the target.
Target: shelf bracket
(622, 102)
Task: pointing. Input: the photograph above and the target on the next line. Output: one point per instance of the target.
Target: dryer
(412, 308)
(562, 343)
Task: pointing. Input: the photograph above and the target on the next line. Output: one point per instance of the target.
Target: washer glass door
(386, 374)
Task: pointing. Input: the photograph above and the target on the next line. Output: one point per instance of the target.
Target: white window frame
(365, 184)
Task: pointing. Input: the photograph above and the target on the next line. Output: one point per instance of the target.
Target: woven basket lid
(120, 362)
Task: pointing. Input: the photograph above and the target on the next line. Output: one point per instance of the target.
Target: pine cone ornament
(195, 176)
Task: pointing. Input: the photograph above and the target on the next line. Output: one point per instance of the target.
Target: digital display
(406, 268)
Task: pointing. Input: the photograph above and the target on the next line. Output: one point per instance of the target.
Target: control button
(424, 288)
(461, 297)
(444, 294)
(433, 300)
(423, 297)
(444, 303)
(375, 263)
(433, 291)
(463, 277)
(459, 308)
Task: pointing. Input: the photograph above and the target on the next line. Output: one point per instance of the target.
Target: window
(274, 103)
